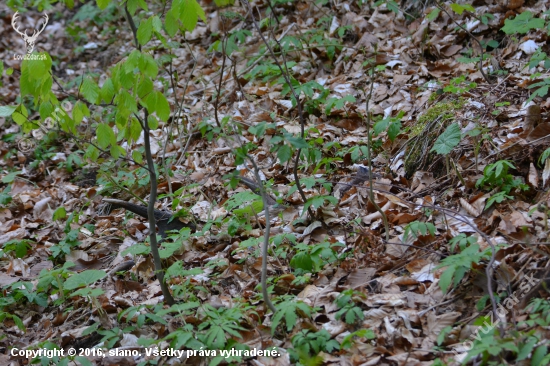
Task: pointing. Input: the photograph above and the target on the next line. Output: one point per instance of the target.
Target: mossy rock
(424, 133)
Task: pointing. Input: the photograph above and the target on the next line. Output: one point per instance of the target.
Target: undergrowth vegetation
(353, 203)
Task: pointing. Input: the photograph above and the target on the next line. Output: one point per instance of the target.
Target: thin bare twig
(369, 148)
(286, 76)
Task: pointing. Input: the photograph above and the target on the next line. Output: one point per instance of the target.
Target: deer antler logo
(29, 40)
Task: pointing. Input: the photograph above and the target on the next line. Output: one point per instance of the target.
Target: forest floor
(460, 170)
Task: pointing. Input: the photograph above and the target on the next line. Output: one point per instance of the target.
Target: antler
(13, 19)
(35, 32)
(45, 23)
(29, 40)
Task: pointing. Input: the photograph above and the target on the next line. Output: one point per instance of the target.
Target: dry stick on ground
(286, 76)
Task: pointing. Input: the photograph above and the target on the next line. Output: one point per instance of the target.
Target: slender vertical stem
(159, 271)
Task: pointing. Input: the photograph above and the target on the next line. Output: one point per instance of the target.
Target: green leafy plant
(463, 241)
(522, 23)
(391, 124)
(312, 105)
(460, 8)
(479, 134)
(223, 3)
(390, 4)
(490, 344)
(218, 324)
(544, 86)
(496, 112)
(417, 228)
(459, 264)
(459, 85)
(84, 279)
(448, 140)
(518, 345)
(338, 103)
(16, 320)
(346, 301)
(110, 336)
(496, 176)
(5, 197)
(52, 281)
(312, 258)
(64, 246)
(25, 290)
(17, 247)
(308, 344)
(544, 156)
(539, 313)
(288, 311)
(348, 340)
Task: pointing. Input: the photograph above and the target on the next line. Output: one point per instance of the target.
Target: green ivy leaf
(250, 210)
(137, 249)
(60, 213)
(459, 8)
(284, 153)
(448, 140)
(90, 90)
(394, 129)
(302, 260)
(7, 110)
(152, 122)
(297, 142)
(85, 278)
(522, 24)
(145, 31)
(162, 108)
(170, 23)
(189, 13)
(136, 155)
(433, 14)
(95, 292)
(105, 135)
(8, 178)
(102, 4)
(107, 91)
